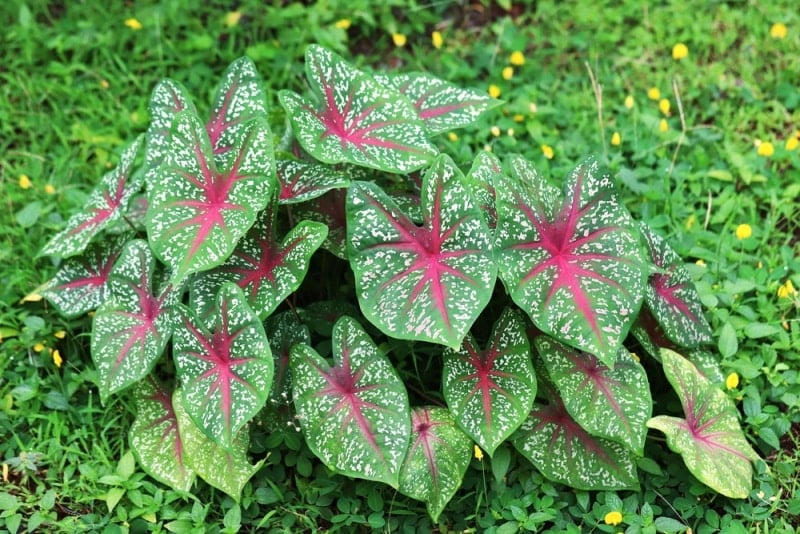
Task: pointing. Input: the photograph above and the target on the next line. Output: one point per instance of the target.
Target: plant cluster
(235, 272)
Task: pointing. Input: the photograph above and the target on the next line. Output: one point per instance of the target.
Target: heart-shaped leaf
(608, 402)
(358, 120)
(266, 269)
(201, 205)
(709, 439)
(490, 392)
(437, 459)
(423, 283)
(574, 264)
(81, 284)
(227, 370)
(168, 100)
(442, 105)
(225, 469)
(106, 204)
(566, 453)
(131, 330)
(481, 181)
(354, 414)
(300, 181)
(284, 330)
(671, 296)
(155, 439)
(329, 209)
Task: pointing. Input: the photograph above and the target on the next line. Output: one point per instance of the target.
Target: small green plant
(211, 317)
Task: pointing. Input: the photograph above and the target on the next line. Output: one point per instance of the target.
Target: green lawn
(703, 140)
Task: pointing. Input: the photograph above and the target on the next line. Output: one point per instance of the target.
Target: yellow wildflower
(792, 143)
(778, 31)
(437, 40)
(49, 189)
(613, 518)
(487, 148)
(399, 39)
(494, 91)
(663, 105)
(104, 84)
(653, 93)
(519, 117)
(766, 149)
(495, 131)
(629, 101)
(787, 290)
(510, 132)
(452, 136)
(743, 231)
(39, 347)
(232, 18)
(477, 452)
(57, 358)
(616, 139)
(679, 51)
(516, 58)
(343, 24)
(532, 107)
(663, 126)
(547, 150)
(732, 381)
(133, 24)
(508, 73)
(60, 334)
(24, 181)
(701, 263)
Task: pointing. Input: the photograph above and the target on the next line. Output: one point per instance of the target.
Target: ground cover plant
(744, 285)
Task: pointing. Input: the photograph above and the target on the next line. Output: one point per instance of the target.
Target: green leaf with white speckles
(155, 439)
(491, 391)
(481, 180)
(357, 120)
(609, 402)
(284, 330)
(226, 369)
(300, 181)
(437, 459)
(354, 414)
(572, 261)
(709, 439)
(169, 98)
(425, 283)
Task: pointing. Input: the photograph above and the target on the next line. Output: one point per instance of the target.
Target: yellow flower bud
(616, 139)
(494, 91)
(399, 39)
(133, 24)
(437, 39)
(516, 58)
(653, 93)
(732, 381)
(613, 518)
(679, 51)
(766, 149)
(547, 150)
(778, 31)
(743, 231)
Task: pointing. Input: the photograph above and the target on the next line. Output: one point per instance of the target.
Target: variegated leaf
(155, 439)
(322, 315)
(608, 402)
(485, 174)
(204, 203)
(437, 459)
(442, 105)
(106, 204)
(355, 414)
(329, 209)
(300, 181)
(423, 283)
(226, 370)
(227, 470)
(130, 331)
(490, 392)
(709, 439)
(168, 100)
(357, 120)
(284, 331)
(574, 264)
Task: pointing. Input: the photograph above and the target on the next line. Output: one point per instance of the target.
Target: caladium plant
(219, 268)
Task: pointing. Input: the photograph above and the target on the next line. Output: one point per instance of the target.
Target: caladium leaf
(81, 284)
(709, 439)
(574, 264)
(169, 99)
(358, 120)
(155, 439)
(202, 205)
(239, 99)
(355, 414)
(106, 204)
(226, 370)
(671, 296)
(608, 402)
(437, 459)
(481, 181)
(423, 283)
(566, 453)
(225, 469)
(284, 331)
(300, 181)
(490, 392)
(131, 330)
(442, 105)
(329, 209)
(322, 315)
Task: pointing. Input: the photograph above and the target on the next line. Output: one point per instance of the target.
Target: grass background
(76, 78)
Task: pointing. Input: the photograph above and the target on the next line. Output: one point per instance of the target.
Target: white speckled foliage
(573, 261)
(608, 402)
(299, 181)
(564, 452)
(225, 469)
(130, 330)
(169, 98)
(709, 439)
(225, 367)
(328, 209)
(105, 205)
(440, 104)
(155, 439)
(202, 203)
(356, 119)
(423, 283)
(481, 180)
(490, 391)
(437, 459)
(354, 413)
(284, 330)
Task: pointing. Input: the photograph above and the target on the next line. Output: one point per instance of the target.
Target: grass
(75, 86)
